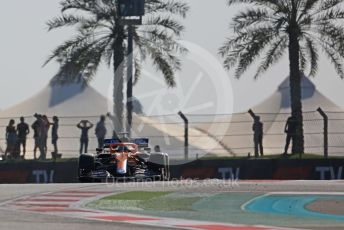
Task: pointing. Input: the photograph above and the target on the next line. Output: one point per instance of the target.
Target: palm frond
(278, 6)
(63, 21)
(246, 47)
(68, 46)
(273, 55)
(318, 23)
(313, 56)
(248, 55)
(335, 59)
(166, 23)
(166, 69)
(83, 61)
(333, 34)
(328, 5)
(138, 68)
(303, 60)
(250, 17)
(101, 37)
(307, 6)
(171, 6)
(330, 15)
(97, 8)
(164, 63)
(83, 5)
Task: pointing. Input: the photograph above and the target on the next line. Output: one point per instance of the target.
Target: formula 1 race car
(124, 160)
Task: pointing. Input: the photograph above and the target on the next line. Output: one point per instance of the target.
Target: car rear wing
(141, 142)
(112, 141)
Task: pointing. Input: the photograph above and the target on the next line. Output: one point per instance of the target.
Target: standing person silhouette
(36, 135)
(45, 131)
(22, 132)
(101, 131)
(11, 138)
(290, 130)
(258, 136)
(84, 125)
(39, 129)
(54, 131)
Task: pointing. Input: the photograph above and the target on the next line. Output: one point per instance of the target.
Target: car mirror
(99, 150)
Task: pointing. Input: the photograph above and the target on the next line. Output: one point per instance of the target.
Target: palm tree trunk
(118, 62)
(130, 80)
(295, 91)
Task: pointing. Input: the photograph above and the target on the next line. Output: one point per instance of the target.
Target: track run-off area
(202, 205)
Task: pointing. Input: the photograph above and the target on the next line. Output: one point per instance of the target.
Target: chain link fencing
(216, 135)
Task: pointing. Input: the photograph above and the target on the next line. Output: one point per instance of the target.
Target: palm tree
(101, 38)
(269, 28)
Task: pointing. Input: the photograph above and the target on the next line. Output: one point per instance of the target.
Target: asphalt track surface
(25, 219)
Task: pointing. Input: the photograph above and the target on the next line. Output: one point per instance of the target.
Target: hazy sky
(25, 44)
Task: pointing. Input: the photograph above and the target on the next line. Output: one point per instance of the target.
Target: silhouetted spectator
(22, 132)
(54, 133)
(258, 137)
(11, 138)
(45, 132)
(39, 129)
(36, 136)
(290, 130)
(84, 125)
(101, 131)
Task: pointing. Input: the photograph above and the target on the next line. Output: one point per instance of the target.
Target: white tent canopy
(223, 135)
(275, 110)
(74, 102)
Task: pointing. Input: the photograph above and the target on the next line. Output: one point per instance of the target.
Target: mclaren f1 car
(124, 160)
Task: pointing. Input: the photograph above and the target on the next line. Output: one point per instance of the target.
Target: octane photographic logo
(211, 185)
(203, 93)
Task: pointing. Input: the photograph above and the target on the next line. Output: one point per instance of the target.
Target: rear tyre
(159, 162)
(86, 165)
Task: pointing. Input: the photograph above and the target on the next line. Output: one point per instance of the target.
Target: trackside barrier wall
(279, 169)
(66, 172)
(39, 172)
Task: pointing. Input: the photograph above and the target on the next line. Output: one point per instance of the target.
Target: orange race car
(124, 160)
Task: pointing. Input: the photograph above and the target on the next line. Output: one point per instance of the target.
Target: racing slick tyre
(86, 165)
(159, 162)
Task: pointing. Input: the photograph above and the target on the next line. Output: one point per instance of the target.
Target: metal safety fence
(208, 134)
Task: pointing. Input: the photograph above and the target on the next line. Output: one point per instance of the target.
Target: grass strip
(138, 195)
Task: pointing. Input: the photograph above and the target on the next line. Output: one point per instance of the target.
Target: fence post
(325, 117)
(253, 115)
(186, 135)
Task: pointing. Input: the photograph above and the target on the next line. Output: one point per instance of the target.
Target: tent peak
(67, 81)
(306, 83)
